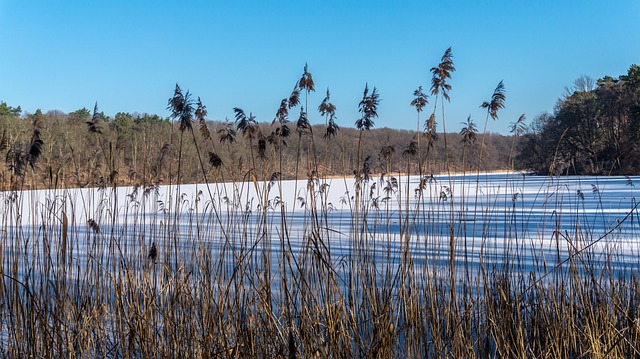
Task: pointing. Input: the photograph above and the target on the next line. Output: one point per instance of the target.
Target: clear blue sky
(128, 55)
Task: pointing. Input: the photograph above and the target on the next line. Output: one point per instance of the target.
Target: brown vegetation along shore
(144, 150)
(247, 277)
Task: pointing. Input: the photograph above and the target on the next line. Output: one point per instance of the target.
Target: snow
(540, 217)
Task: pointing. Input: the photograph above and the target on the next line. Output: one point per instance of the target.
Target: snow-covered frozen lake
(490, 216)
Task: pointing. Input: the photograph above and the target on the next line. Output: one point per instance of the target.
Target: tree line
(594, 129)
(56, 149)
(87, 148)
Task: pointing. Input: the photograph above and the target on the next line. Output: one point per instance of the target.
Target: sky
(128, 55)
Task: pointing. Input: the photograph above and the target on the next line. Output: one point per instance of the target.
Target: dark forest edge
(593, 130)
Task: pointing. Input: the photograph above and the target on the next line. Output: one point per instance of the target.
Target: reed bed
(400, 264)
(237, 272)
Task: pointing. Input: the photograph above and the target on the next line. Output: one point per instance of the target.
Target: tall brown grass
(250, 283)
(395, 269)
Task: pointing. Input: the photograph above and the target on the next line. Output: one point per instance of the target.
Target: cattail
(332, 128)
(215, 160)
(497, 101)
(181, 107)
(153, 252)
(201, 113)
(94, 225)
(368, 107)
(306, 81)
(94, 124)
(294, 98)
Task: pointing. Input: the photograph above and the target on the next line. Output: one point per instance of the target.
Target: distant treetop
(6, 110)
